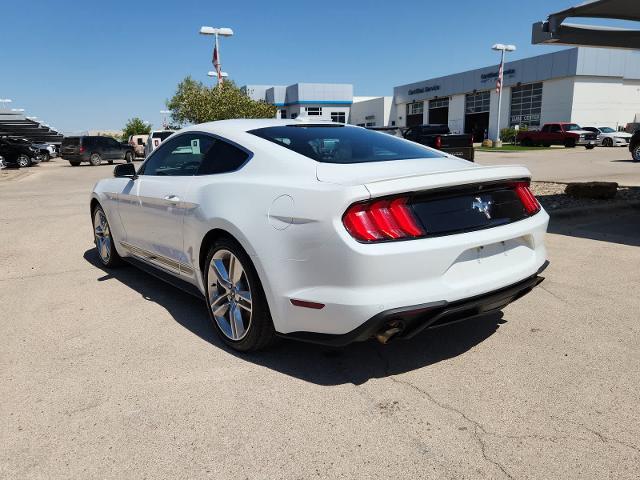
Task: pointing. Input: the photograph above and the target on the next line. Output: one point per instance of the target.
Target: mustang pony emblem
(482, 206)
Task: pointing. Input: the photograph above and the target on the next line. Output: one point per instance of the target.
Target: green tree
(194, 102)
(135, 126)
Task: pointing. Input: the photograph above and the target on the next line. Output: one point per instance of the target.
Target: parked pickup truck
(441, 138)
(567, 134)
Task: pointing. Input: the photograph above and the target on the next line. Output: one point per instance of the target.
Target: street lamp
(499, 84)
(217, 32)
(215, 74)
(164, 117)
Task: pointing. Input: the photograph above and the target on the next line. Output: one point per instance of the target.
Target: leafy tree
(194, 102)
(135, 126)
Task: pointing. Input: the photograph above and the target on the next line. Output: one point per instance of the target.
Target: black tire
(95, 159)
(570, 143)
(259, 332)
(74, 164)
(607, 142)
(46, 157)
(112, 258)
(546, 145)
(589, 147)
(635, 152)
(110, 162)
(128, 157)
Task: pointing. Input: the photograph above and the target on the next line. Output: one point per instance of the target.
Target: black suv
(94, 149)
(17, 152)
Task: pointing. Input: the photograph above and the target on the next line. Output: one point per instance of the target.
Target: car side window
(180, 156)
(555, 128)
(222, 157)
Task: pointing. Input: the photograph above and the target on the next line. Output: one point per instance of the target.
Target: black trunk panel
(474, 207)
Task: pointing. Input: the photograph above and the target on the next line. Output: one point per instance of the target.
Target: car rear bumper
(409, 321)
(356, 282)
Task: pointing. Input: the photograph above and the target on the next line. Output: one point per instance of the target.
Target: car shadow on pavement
(355, 364)
(615, 225)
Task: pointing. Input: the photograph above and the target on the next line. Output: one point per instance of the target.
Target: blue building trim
(318, 102)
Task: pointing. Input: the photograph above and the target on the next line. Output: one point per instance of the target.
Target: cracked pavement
(117, 375)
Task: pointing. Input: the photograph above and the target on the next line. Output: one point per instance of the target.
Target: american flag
(216, 62)
(499, 80)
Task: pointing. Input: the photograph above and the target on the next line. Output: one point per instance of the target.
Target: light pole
(217, 32)
(215, 74)
(164, 118)
(499, 83)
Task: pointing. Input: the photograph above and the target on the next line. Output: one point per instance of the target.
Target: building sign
(494, 75)
(534, 117)
(416, 91)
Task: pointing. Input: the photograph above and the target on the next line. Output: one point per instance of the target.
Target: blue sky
(81, 65)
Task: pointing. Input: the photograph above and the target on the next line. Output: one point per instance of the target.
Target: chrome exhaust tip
(387, 333)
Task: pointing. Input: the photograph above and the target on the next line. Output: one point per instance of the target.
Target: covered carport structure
(555, 31)
(13, 124)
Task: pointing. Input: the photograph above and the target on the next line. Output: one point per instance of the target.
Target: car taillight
(438, 142)
(81, 150)
(380, 220)
(527, 198)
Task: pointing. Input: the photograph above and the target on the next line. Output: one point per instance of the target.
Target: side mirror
(125, 170)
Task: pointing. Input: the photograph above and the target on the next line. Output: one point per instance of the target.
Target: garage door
(439, 111)
(476, 118)
(415, 112)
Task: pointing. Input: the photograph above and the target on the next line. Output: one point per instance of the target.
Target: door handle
(172, 198)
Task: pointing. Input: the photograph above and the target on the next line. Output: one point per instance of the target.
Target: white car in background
(322, 232)
(609, 137)
(154, 139)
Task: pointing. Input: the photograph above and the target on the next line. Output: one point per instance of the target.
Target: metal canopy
(16, 125)
(555, 32)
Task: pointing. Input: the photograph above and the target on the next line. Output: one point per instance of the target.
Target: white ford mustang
(322, 232)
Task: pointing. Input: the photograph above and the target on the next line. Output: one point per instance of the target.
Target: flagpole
(500, 79)
(218, 67)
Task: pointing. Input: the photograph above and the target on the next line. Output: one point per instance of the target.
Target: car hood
(363, 173)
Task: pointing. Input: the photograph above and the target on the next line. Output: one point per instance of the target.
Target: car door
(153, 208)
(555, 134)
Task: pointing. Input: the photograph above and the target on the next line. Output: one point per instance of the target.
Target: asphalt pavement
(559, 164)
(113, 374)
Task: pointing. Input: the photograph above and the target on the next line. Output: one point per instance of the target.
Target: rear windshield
(161, 135)
(73, 141)
(340, 144)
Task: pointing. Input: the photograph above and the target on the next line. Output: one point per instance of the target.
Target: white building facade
(325, 101)
(588, 86)
(373, 112)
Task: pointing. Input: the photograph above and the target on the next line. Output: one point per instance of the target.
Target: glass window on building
(313, 111)
(477, 102)
(416, 108)
(439, 103)
(526, 105)
(283, 113)
(340, 117)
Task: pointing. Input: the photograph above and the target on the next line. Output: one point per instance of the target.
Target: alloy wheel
(229, 295)
(23, 161)
(95, 159)
(102, 235)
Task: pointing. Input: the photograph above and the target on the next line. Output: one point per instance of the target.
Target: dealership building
(325, 101)
(589, 86)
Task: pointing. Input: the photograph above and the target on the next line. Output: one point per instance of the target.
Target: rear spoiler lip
(452, 178)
